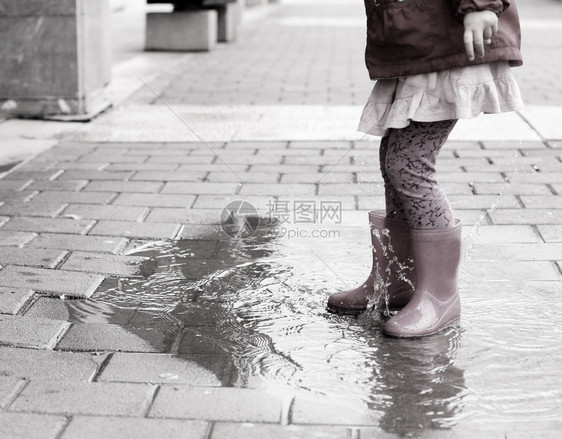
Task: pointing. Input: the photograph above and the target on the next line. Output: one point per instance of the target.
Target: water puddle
(261, 302)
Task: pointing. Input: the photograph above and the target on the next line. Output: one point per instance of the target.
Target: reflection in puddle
(261, 302)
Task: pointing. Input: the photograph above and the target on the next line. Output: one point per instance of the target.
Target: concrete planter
(55, 58)
(194, 30)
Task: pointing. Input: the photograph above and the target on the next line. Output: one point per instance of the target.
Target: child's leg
(394, 208)
(436, 236)
(408, 164)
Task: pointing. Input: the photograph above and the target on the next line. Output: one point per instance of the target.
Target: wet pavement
(128, 309)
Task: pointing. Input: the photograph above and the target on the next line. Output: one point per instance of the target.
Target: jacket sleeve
(463, 7)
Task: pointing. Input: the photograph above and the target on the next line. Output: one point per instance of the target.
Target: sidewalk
(127, 311)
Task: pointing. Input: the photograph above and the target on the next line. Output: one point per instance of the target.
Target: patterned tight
(407, 159)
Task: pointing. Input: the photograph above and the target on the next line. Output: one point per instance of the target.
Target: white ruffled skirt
(458, 93)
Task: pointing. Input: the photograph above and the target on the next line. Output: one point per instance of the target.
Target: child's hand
(479, 28)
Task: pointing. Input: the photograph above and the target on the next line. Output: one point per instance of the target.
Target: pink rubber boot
(393, 264)
(436, 302)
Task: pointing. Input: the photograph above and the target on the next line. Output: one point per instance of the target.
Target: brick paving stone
(69, 166)
(247, 177)
(57, 185)
(109, 212)
(247, 158)
(31, 426)
(48, 225)
(74, 197)
(155, 200)
(135, 230)
(313, 144)
(325, 188)
(102, 337)
(371, 202)
(526, 216)
(488, 153)
(542, 202)
(298, 152)
(113, 158)
(53, 308)
(218, 166)
(221, 201)
(13, 299)
(472, 217)
(9, 387)
(551, 233)
(32, 208)
(200, 188)
(531, 252)
(114, 167)
(203, 232)
(86, 427)
(169, 176)
(535, 177)
(160, 368)
(519, 189)
(506, 168)
(69, 283)
(185, 216)
(15, 238)
(500, 144)
(513, 271)
(32, 175)
(361, 177)
(168, 150)
(331, 178)
(27, 332)
(470, 177)
(501, 234)
(110, 265)
(94, 175)
(257, 144)
(167, 215)
(47, 364)
(15, 196)
(483, 201)
(451, 188)
(345, 168)
(128, 145)
(217, 404)
(14, 185)
(182, 158)
(279, 189)
(194, 146)
(229, 430)
(286, 168)
(124, 186)
(108, 244)
(557, 188)
(45, 258)
(73, 397)
(315, 160)
(320, 410)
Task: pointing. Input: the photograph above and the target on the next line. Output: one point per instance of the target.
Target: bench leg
(228, 19)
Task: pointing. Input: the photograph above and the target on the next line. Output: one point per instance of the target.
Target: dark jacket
(407, 37)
